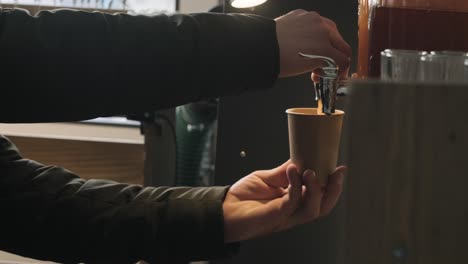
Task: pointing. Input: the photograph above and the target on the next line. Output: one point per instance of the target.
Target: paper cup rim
(306, 111)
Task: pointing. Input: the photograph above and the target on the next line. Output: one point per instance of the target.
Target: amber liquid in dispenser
(413, 29)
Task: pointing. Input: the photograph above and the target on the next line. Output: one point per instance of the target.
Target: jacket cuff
(200, 222)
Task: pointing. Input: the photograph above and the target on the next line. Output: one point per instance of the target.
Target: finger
(315, 76)
(313, 195)
(336, 39)
(311, 202)
(295, 12)
(345, 74)
(340, 58)
(333, 190)
(292, 200)
(329, 22)
(338, 43)
(313, 64)
(276, 177)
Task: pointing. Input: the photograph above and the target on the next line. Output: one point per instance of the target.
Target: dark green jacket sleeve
(50, 213)
(71, 65)
(68, 65)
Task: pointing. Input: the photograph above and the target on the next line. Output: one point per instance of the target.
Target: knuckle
(314, 14)
(298, 11)
(323, 31)
(332, 22)
(309, 16)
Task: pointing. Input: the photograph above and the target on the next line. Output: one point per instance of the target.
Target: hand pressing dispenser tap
(326, 89)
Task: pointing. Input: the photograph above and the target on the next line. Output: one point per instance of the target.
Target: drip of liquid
(319, 100)
(319, 106)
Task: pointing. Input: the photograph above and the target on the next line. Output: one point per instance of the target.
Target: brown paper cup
(314, 140)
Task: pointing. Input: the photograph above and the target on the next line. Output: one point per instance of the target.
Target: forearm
(70, 65)
(52, 214)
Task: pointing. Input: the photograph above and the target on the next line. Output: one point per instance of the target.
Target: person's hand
(310, 33)
(274, 200)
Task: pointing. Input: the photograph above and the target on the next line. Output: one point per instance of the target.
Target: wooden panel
(8, 258)
(406, 196)
(75, 131)
(90, 160)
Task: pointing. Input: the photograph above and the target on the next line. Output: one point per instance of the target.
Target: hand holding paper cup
(314, 140)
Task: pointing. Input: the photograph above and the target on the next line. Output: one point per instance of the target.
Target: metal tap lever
(326, 88)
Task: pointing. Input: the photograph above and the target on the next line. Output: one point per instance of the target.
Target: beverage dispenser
(431, 25)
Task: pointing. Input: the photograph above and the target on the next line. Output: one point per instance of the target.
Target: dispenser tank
(431, 25)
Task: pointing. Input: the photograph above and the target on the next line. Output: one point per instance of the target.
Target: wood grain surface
(90, 160)
(406, 193)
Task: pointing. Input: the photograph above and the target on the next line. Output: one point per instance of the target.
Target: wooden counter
(91, 151)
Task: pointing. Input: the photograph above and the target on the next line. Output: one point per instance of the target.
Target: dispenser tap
(326, 89)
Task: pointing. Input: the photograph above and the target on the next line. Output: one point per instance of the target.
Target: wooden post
(407, 191)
